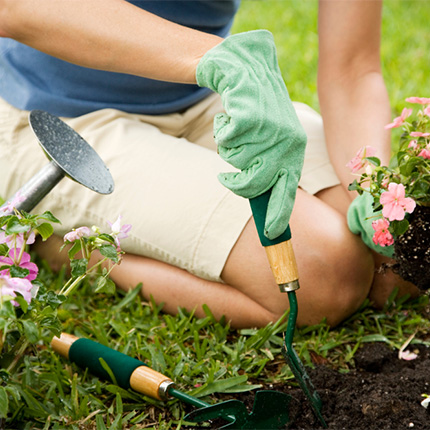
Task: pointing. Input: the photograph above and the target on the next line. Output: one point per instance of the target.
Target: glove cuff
(252, 48)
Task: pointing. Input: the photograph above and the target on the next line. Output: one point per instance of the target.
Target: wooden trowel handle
(128, 372)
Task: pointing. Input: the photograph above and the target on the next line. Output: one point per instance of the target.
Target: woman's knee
(344, 282)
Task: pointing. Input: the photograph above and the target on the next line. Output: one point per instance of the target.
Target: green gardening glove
(360, 217)
(260, 133)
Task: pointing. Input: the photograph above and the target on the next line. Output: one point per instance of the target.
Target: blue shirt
(30, 79)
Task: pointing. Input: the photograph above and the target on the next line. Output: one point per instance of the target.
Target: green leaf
(110, 252)
(221, 386)
(79, 267)
(374, 160)
(105, 285)
(45, 230)
(55, 300)
(375, 338)
(22, 302)
(106, 237)
(354, 186)
(108, 370)
(4, 403)
(243, 388)
(14, 226)
(30, 330)
(400, 227)
(114, 389)
(49, 217)
(4, 249)
(76, 247)
(410, 165)
(100, 423)
(119, 406)
(18, 272)
(129, 298)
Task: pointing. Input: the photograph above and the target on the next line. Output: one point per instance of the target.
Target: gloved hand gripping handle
(279, 250)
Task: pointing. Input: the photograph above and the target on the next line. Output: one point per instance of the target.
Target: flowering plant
(398, 188)
(28, 307)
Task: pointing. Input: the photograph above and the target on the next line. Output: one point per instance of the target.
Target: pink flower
(413, 144)
(425, 153)
(397, 122)
(359, 161)
(427, 111)
(407, 355)
(118, 231)
(10, 286)
(419, 100)
(77, 234)
(419, 134)
(24, 263)
(382, 236)
(16, 240)
(9, 206)
(394, 202)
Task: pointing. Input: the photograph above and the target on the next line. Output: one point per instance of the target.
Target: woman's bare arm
(353, 98)
(111, 35)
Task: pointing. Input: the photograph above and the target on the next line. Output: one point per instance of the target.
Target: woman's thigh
(165, 186)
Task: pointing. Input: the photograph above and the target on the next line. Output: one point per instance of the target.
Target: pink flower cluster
(10, 286)
(382, 236)
(407, 112)
(394, 208)
(383, 180)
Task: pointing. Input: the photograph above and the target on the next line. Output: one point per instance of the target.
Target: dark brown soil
(382, 392)
(412, 250)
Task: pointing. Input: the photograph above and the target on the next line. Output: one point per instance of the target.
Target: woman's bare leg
(336, 272)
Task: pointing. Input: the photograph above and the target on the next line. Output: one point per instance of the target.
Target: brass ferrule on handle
(283, 264)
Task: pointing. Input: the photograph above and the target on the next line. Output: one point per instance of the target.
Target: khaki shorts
(165, 186)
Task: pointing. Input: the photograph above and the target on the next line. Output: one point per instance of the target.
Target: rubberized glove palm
(260, 133)
(360, 217)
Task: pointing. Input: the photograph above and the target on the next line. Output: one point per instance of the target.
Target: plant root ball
(412, 250)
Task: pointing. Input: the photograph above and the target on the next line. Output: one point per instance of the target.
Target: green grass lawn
(201, 355)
